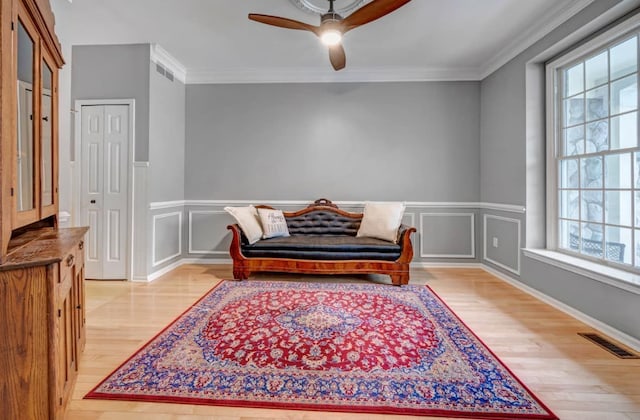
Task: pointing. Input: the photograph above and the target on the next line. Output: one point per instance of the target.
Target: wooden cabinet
(29, 63)
(42, 321)
(42, 315)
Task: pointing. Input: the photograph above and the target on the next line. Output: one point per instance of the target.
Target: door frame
(77, 168)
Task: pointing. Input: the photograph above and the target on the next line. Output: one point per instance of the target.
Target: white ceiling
(215, 42)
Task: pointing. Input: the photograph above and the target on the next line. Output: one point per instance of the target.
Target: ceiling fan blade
(284, 23)
(372, 11)
(338, 57)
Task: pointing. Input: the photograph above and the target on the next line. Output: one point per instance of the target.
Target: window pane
(598, 189)
(591, 243)
(591, 172)
(624, 58)
(618, 244)
(624, 131)
(597, 136)
(597, 70)
(597, 103)
(636, 170)
(569, 235)
(624, 95)
(569, 173)
(592, 206)
(637, 209)
(574, 140)
(573, 111)
(617, 171)
(617, 207)
(569, 204)
(637, 248)
(573, 80)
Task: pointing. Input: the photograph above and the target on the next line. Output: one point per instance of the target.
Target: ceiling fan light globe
(331, 37)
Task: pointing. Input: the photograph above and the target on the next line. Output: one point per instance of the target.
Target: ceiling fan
(333, 26)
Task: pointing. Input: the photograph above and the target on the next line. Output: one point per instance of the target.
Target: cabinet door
(48, 138)
(27, 171)
(67, 352)
(78, 296)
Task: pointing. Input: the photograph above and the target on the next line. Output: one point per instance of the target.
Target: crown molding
(305, 75)
(553, 18)
(160, 56)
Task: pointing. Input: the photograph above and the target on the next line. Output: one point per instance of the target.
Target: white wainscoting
(471, 235)
(516, 222)
(155, 220)
(192, 248)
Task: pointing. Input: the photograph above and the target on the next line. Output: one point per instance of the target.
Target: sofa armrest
(404, 240)
(238, 238)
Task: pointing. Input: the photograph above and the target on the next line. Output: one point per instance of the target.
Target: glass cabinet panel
(25, 142)
(46, 135)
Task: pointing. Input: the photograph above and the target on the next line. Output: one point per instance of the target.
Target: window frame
(553, 121)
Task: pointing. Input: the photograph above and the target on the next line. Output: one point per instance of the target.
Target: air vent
(609, 346)
(164, 71)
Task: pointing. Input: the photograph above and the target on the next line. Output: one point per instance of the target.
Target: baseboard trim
(614, 333)
(444, 265)
(207, 261)
(179, 263)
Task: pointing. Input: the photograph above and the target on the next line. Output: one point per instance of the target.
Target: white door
(105, 144)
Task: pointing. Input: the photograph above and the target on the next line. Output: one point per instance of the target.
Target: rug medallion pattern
(340, 347)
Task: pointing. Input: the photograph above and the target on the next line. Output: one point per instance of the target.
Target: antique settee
(323, 241)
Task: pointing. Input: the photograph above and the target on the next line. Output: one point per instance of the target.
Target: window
(594, 163)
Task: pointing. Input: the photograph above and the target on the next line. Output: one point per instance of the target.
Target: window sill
(602, 273)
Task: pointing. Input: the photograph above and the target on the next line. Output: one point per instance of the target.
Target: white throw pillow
(247, 218)
(273, 223)
(381, 220)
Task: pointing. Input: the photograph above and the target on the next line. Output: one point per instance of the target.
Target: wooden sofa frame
(398, 270)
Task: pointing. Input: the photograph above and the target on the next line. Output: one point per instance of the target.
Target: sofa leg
(399, 279)
(240, 274)
(396, 279)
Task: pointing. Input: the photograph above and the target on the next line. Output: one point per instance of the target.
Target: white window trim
(600, 41)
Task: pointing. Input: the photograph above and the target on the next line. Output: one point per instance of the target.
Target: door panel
(115, 198)
(105, 145)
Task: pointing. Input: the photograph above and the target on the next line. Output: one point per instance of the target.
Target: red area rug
(335, 347)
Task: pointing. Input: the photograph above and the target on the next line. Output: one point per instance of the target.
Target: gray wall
(115, 72)
(355, 141)
(166, 137)
(505, 158)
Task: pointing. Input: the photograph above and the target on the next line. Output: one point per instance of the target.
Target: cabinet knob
(70, 259)
(81, 245)
(79, 307)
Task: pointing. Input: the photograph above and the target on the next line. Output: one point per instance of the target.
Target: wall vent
(609, 346)
(164, 71)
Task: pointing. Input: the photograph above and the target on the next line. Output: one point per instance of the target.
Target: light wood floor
(575, 378)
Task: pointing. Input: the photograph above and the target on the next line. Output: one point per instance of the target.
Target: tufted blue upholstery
(324, 247)
(322, 222)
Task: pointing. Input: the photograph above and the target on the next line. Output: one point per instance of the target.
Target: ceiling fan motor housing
(331, 17)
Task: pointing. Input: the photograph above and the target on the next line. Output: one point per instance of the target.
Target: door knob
(93, 201)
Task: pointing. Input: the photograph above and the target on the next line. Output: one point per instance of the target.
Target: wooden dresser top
(42, 247)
